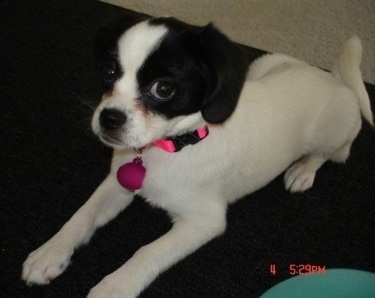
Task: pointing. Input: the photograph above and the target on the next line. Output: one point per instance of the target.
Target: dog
(194, 127)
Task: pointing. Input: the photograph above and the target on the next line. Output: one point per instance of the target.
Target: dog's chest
(171, 179)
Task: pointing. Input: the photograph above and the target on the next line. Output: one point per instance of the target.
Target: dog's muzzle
(112, 122)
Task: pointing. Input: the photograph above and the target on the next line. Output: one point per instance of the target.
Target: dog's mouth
(119, 141)
(110, 140)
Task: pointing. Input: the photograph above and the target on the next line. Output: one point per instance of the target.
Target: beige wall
(312, 30)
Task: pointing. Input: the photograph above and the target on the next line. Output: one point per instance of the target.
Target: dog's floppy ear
(226, 64)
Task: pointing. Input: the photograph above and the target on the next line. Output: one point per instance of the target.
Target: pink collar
(175, 144)
(132, 174)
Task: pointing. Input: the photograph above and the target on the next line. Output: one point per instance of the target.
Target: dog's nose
(111, 119)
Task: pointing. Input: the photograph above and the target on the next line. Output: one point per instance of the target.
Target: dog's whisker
(81, 100)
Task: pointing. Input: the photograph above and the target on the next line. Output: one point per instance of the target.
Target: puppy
(193, 129)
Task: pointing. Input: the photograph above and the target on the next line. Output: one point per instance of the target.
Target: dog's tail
(347, 70)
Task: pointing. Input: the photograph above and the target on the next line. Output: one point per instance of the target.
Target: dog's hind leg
(300, 176)
(342, 154)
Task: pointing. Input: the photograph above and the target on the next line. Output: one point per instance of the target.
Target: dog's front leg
(52, 258)
(187, 234)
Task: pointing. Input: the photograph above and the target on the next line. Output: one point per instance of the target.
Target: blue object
(334, 283)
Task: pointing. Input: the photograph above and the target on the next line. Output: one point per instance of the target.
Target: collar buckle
(175, 144)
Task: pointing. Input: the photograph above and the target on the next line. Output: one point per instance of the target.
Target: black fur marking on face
(206, 68)
(176, 61)
(172, 62)
(106, 50)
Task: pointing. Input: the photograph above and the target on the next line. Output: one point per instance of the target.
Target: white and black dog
(193, 129)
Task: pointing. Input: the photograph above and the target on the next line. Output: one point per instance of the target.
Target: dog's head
(162, 77)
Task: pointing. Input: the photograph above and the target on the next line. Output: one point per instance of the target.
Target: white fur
(288, 112)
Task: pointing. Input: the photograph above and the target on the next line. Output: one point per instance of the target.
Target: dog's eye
(108, 72)
(163, 90)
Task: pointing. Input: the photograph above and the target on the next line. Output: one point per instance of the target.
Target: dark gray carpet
(51, 163)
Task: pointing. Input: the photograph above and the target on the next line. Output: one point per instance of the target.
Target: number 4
(273, 269)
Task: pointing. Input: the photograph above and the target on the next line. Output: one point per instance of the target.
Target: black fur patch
(178, 59)
(106, 49)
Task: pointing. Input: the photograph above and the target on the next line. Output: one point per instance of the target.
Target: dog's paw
(45, 263)
(299, 177)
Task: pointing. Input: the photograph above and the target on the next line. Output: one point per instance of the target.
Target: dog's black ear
(227, 64)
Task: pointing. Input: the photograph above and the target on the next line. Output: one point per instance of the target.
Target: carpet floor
(51, 163)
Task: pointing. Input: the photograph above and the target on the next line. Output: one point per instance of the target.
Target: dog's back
(346, 69)
(289, 110)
